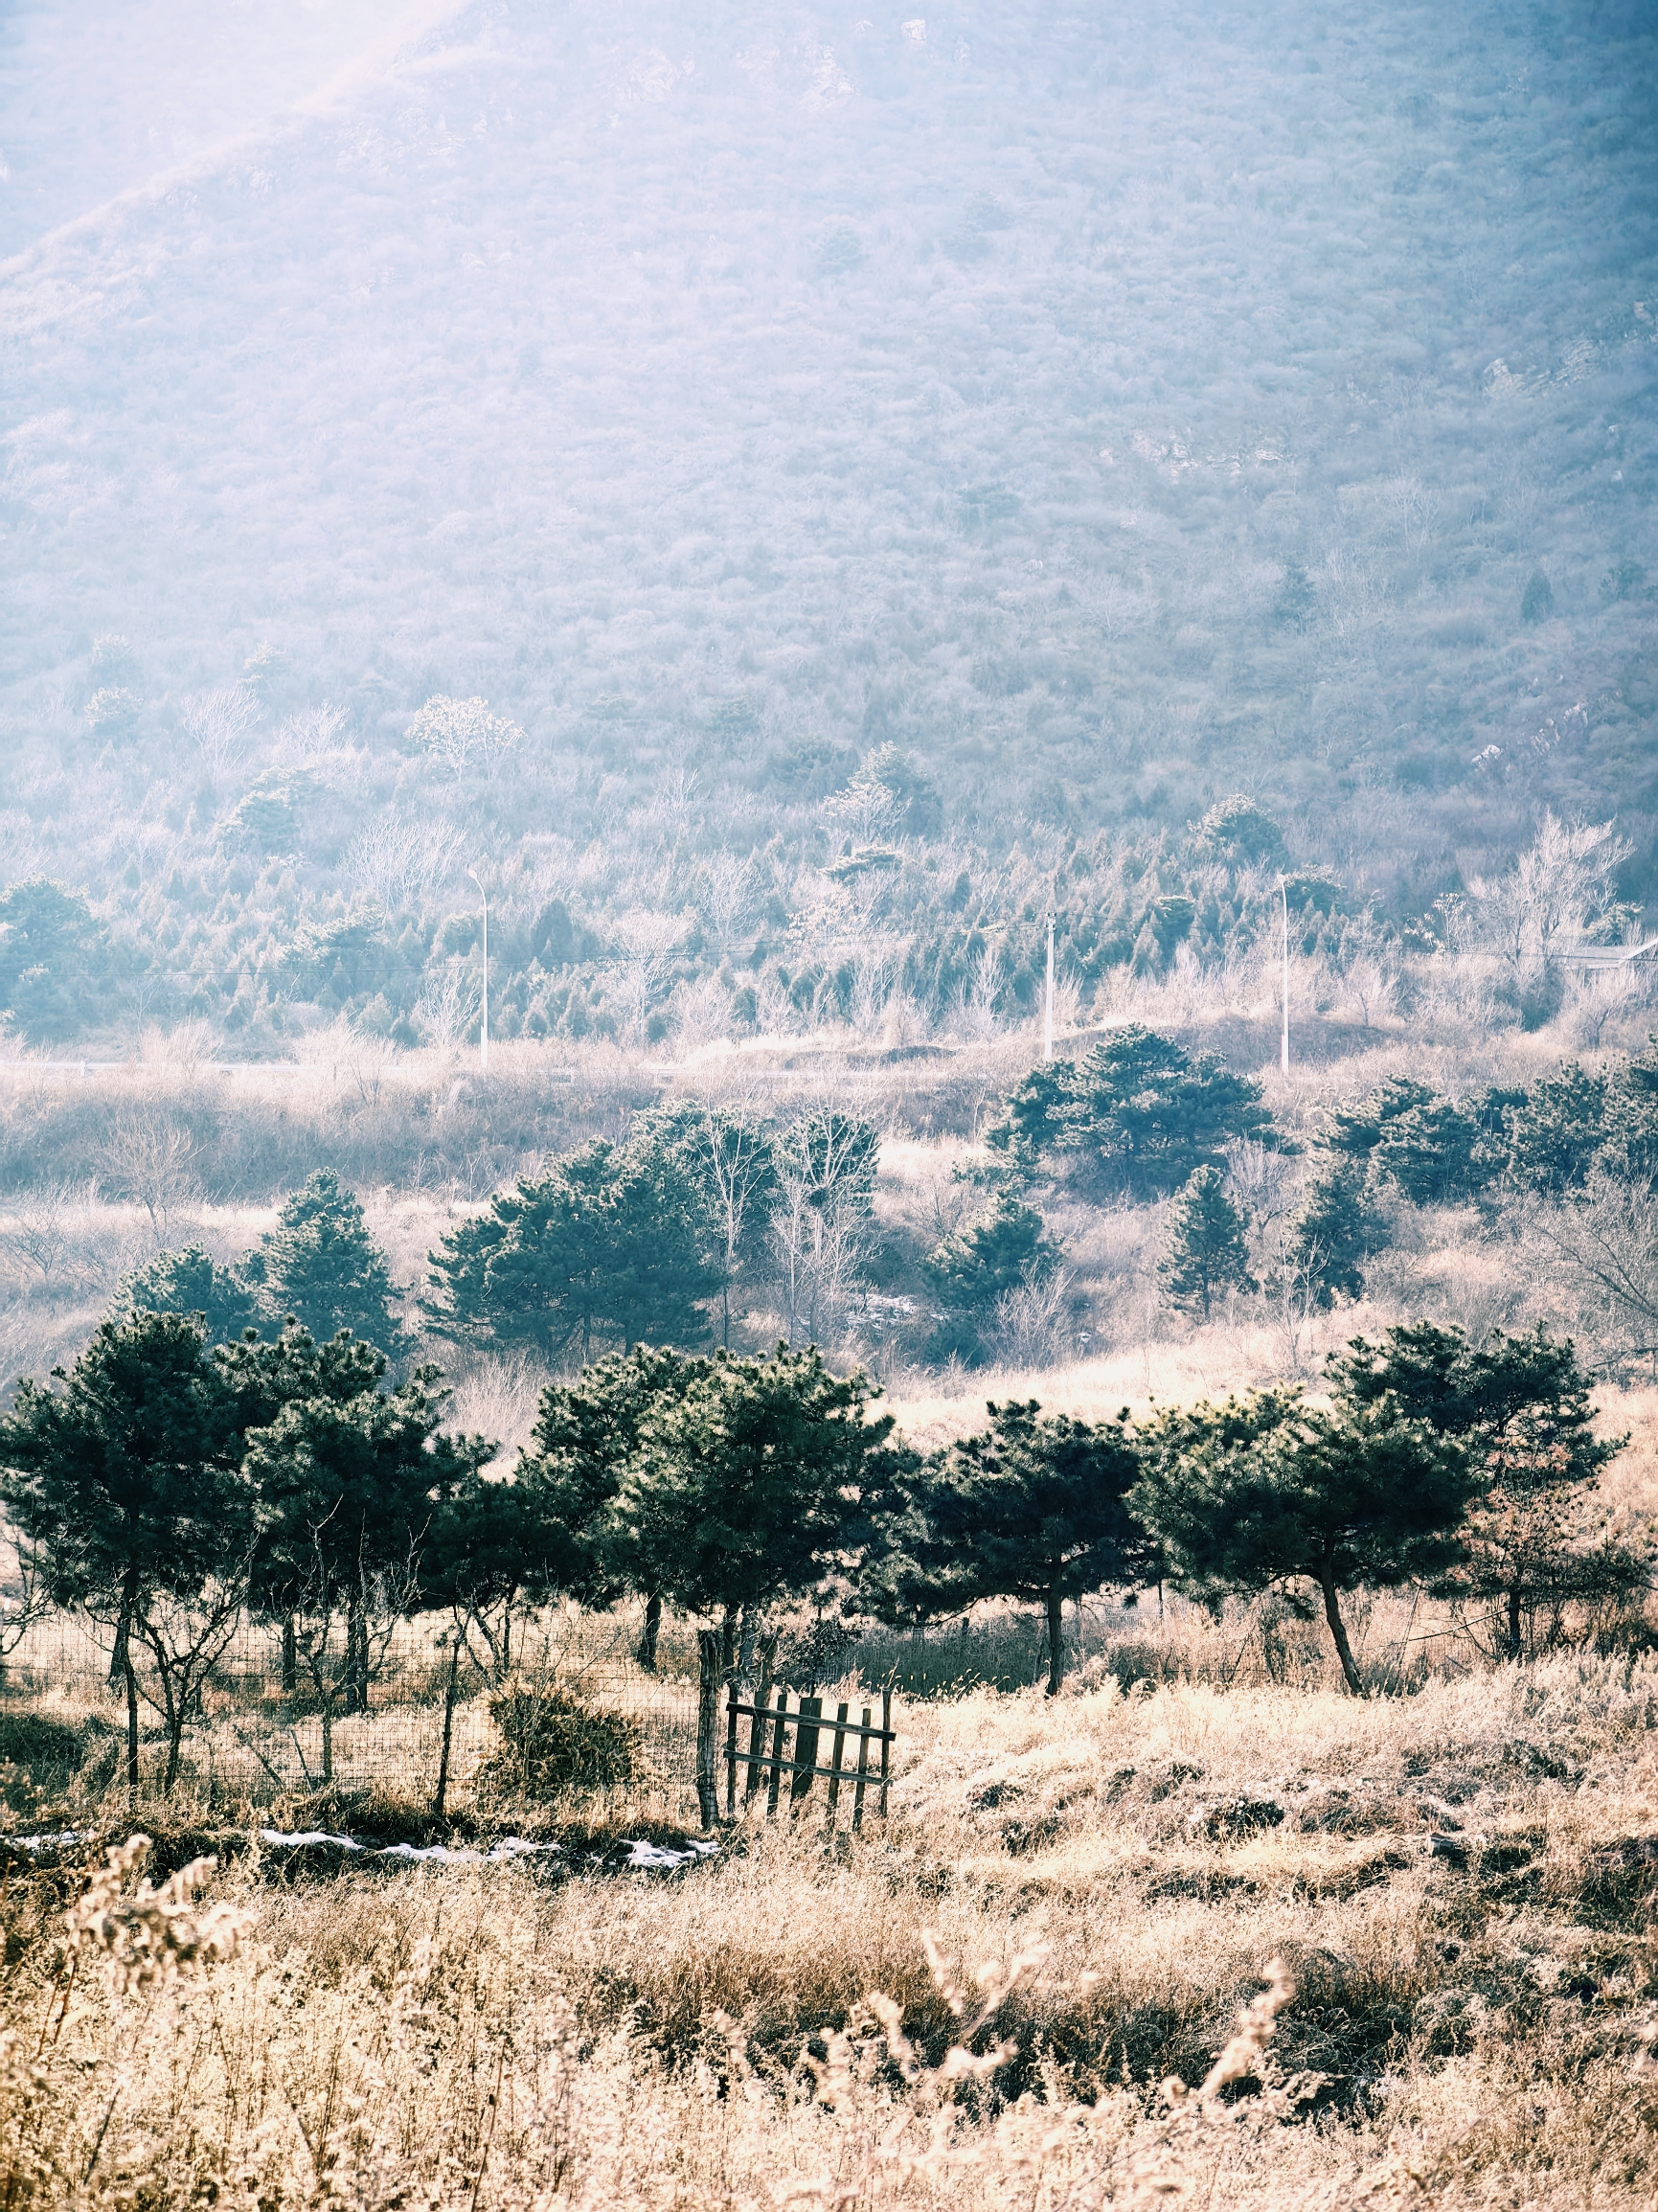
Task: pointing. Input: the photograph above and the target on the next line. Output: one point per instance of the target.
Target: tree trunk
(357, 1655)
(130, 1673)
(1056, 1639)
(118, 1658)
(709, 1673)
(450, 1691)
(290, 1657)
(1338, 1629)
(649, 1633)
(174, 1744)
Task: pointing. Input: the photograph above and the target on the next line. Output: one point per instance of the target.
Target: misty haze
(829, 1104)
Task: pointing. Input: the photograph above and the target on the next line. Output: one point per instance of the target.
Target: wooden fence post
(775, 1776)
(710, 1656)
(806, 1735)
(834, 1788)
(450, 1693)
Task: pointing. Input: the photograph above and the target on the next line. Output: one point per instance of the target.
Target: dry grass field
(1459, 1885)
(1436, 1907)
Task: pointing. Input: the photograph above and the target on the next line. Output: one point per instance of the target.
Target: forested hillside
(1075, 417)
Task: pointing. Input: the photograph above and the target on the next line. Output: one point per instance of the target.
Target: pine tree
(611, 1242)
(191, 1282)
(1146, 1115)
(127, 1482)
(1337, 1229)
(1208, 1248)
(740, 1492)
(321, 1266)
(1433, 1151)
(1538, 600)
(1254, 1493)
(1000, 1247)
(348, 1492)
(1358, 1130)
(1031, 1508)
(1555, 1137)
(1519, 1407)
(1631, 1118)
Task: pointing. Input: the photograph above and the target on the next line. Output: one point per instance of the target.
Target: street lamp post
(1283, 1049)
(484, 1038)
(1047, 1018)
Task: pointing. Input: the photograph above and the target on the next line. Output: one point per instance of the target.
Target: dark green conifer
(1208, 1247)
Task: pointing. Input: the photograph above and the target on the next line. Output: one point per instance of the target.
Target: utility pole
(1284, 1051)
(484, 1036)
(1048, 1019)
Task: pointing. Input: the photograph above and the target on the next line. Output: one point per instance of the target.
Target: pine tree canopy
(191, 1282)
(320, 1264)
(1337, 1229)
(1631, 1118)
(1433, 1151)
(1000, 1247)
(1139, 1108)
(1555, 1136)
(350, 1489)
(1268, 1489)
(611, 1242)
(1208, 1248)
(1031, 1508)
(128, 1477)
(743, 1486)
(1520, 1408)
(586, 1433)
(1359, 1129)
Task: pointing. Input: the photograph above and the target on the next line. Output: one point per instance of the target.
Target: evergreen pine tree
(1433, 1151)
(611, 1242)
(1631, 1118)
(1337, 1229)
(1208, 1250)
(127, 1482)
(1358, 1130)
(1146, 1114)
(1554, 1138)
(321, 1266)
(191, 1282)
(1032, 1508)
(1000, 1247)
(1519, 1407)
(1254, 1493)
(349, 1491)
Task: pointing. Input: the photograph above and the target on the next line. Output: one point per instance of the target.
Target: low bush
(551, 1740)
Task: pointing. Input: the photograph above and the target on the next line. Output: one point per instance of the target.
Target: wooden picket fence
(801, 1763)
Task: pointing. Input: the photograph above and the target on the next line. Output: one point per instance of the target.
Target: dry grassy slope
(385, 2029)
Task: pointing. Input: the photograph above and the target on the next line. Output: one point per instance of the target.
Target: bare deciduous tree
(149, 1159)
(218, 723)
(403, 862)
(449, 1003)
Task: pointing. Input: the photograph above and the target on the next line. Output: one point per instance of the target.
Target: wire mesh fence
(258, 1739)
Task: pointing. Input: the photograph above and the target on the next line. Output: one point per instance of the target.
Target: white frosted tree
(463, 733)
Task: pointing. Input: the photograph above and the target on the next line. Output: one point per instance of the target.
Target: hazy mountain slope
(1113, 408)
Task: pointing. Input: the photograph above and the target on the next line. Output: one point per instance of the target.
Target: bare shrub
(1032, 1325)
(149, 1158)
(218, 724)
(403, 863)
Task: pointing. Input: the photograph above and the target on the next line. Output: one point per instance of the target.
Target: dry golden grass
(1461, 1885)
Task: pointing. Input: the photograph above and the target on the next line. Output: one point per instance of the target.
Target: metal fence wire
(254, 1740)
